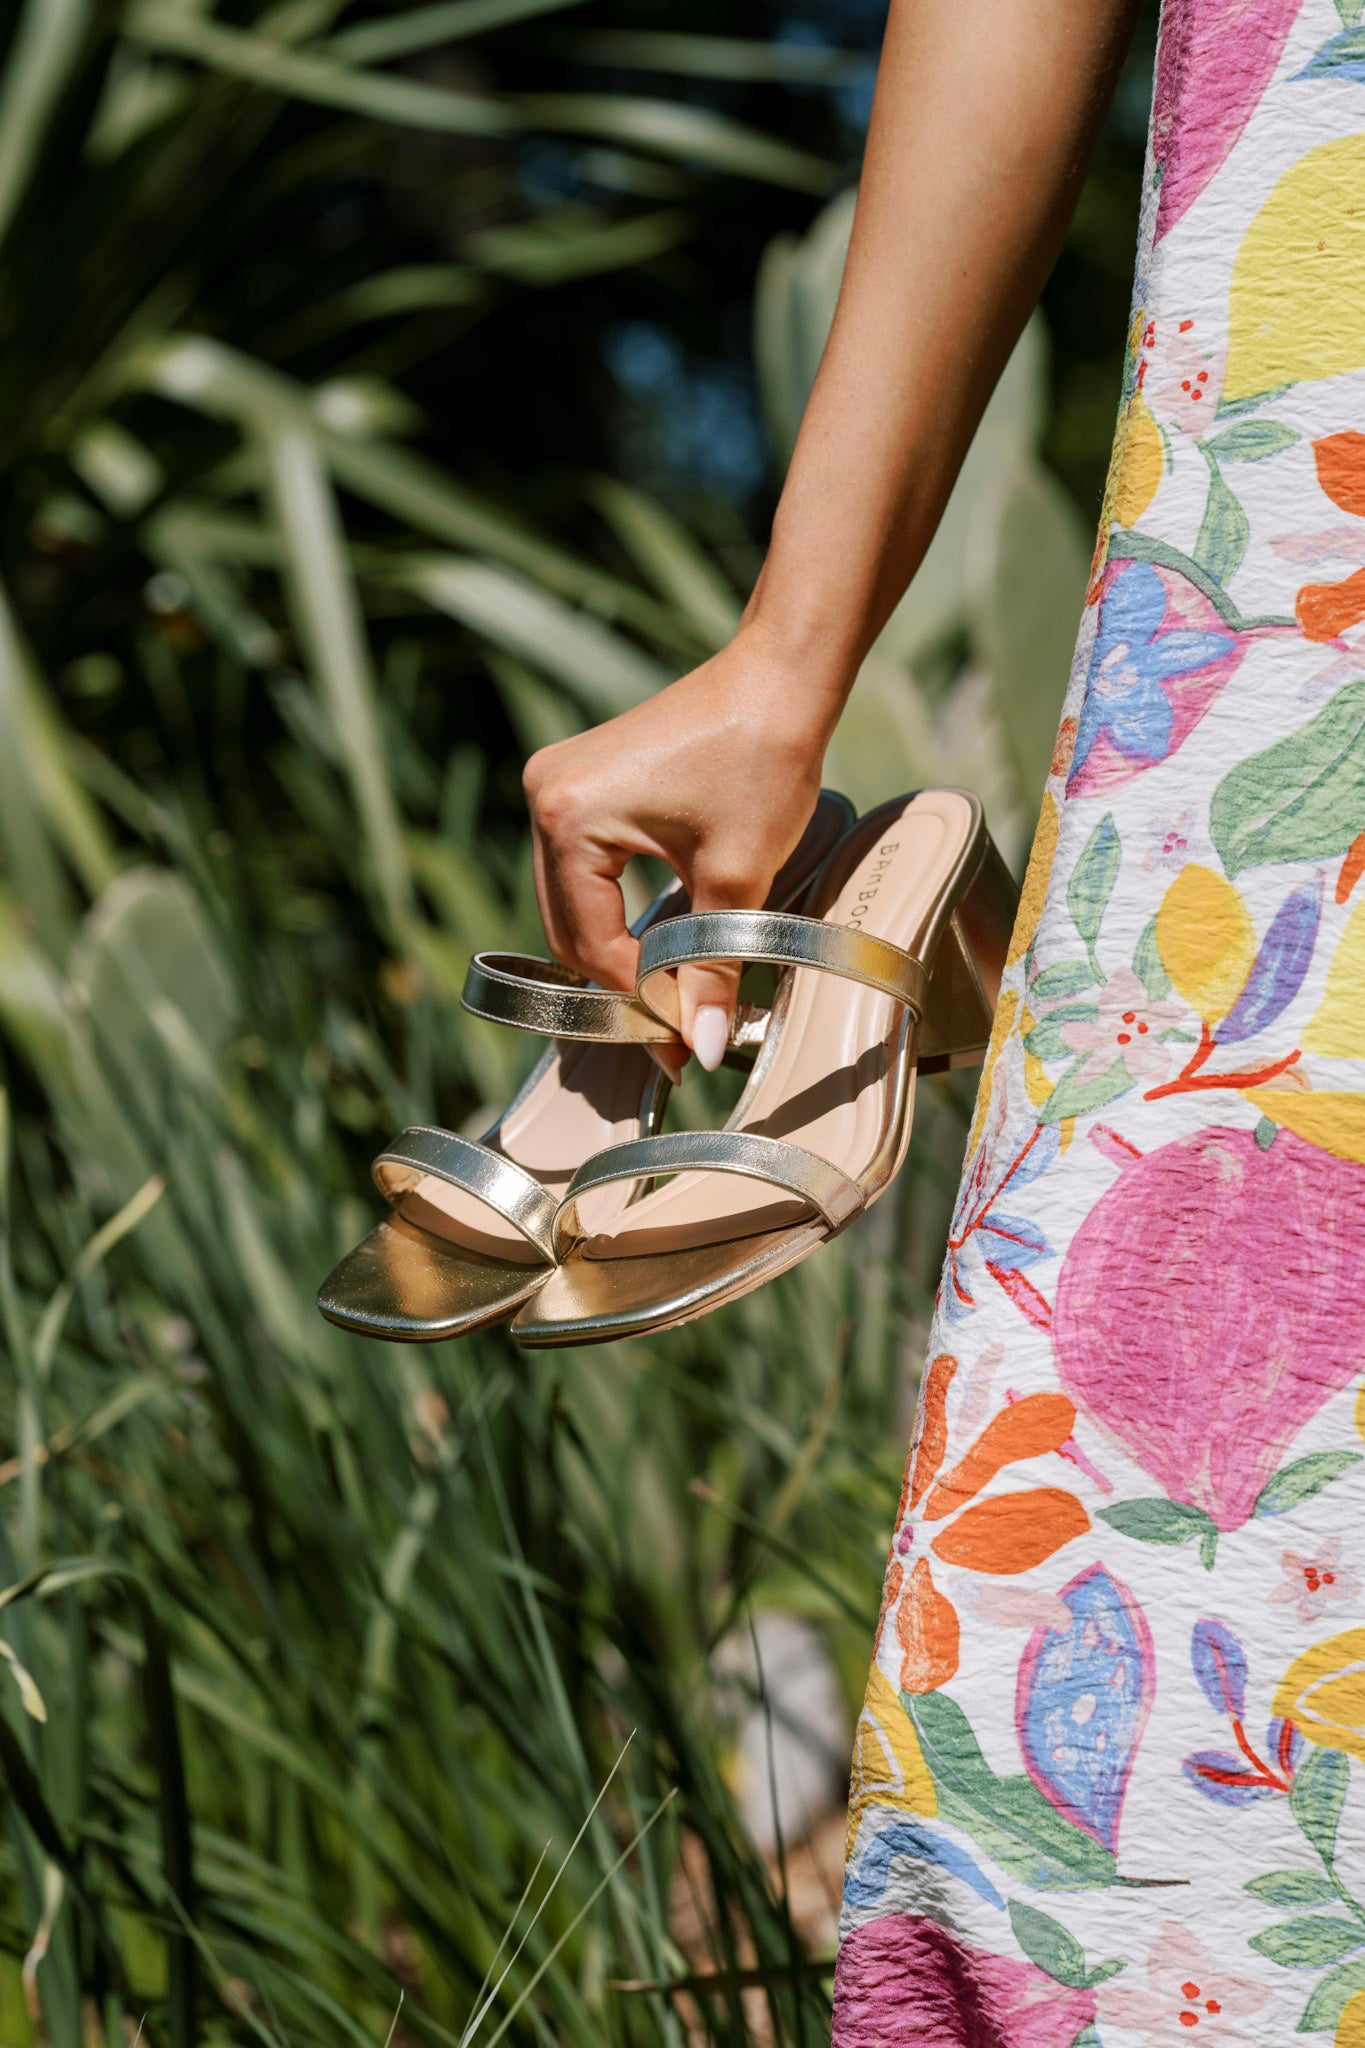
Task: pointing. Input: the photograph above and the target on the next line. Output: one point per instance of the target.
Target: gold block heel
(964, 986)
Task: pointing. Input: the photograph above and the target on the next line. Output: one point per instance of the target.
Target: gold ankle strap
(541, 996)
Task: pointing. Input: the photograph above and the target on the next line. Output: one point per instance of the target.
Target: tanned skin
(985, 117)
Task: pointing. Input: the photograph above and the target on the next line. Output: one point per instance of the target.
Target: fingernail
(710, 1034)
(672, 1058)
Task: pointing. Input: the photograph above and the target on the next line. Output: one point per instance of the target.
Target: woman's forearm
(985, 116)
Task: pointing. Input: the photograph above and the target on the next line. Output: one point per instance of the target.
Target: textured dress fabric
(1109, 1778)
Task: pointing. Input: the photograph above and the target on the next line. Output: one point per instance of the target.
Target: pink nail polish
(710, 1033)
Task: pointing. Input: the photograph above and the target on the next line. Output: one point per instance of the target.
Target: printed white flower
(1188, 1996)
(1173, 842)
(1183, 380)
(1129, 1026)
(1313, 1584)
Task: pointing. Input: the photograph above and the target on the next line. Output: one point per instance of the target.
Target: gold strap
(500, 1184)
(824, 1187)
(540, 995)
(779, 936)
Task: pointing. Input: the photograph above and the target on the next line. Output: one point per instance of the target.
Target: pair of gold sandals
(578, 1216)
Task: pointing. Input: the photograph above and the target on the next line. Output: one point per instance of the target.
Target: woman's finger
(707, 992)
(587, 912)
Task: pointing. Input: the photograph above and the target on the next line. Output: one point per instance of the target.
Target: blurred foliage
(376, 402)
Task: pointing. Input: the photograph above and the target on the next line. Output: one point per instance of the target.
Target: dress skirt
(1109, 1779)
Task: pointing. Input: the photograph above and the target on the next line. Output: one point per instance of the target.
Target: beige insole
(820, 1083)
(586, 1097)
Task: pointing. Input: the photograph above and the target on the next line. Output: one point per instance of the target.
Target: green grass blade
(594, 1895)
(425, 28)
(403, 102)
(604, 670)
(92, 1254)
(328, 620)
(694, 135)
(699, 56)
(47, 47)
(555, 249)
(667, 554)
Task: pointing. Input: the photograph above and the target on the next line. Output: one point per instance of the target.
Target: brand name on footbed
(876, 875)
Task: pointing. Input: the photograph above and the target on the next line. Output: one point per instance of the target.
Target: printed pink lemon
(1208, 1307)
(905, 1982)
(1219, 59)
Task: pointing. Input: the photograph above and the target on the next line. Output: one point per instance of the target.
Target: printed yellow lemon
(1350, 2031)
(1338, 1029)
(1297, 306)
(1141, 463)
(1323, 1693)
(1329, 1118)
(1206, 940)
(1034, 891)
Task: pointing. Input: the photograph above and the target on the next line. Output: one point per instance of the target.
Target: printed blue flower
(1124, 698)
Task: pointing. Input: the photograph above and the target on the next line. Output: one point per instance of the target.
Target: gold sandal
(470, 1236)
(915, 908)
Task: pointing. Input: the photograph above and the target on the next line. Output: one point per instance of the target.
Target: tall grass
(355, 1692)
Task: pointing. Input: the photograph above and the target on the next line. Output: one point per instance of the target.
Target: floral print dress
(1109, 1778)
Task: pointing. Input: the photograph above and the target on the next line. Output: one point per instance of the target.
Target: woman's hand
(717, 776)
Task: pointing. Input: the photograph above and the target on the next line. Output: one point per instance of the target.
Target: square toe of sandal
(403, 1283)
(592, 1301)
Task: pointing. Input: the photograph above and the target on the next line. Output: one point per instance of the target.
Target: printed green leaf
(1163, 1521)
(1093, 879)
(1308, 1944)
(1344, 53)
(1329, 2001)
(1063, 978)
(1251, 441)
(1295, 1889)
(1234, 408)
(1303, 798)
(1074, 1097)
(1224, 534)
(1102, 1972)
(1147, 965)
(1045, 1039)
(1298, 1482)
(1048, 1944)
(1008, 1817)
(1317, 1797)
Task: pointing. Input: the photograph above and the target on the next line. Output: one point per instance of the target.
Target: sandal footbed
(593, 1301)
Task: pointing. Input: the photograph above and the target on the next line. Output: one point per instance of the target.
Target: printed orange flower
(1326, 610)
(1000, 1535)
